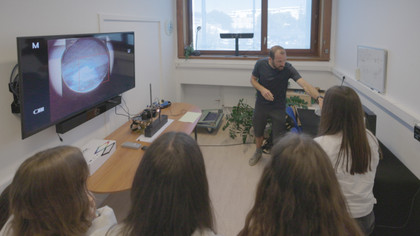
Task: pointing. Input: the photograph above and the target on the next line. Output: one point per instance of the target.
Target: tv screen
(63, 75)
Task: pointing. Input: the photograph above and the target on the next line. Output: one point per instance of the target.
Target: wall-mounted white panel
(371, 63)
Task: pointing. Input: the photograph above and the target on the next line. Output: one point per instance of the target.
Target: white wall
(212, 84)
(50, 17)
(390, 25)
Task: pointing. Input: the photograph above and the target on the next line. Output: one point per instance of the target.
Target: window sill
(254, 58)
(199, 62)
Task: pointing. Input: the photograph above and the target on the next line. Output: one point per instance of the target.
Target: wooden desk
(117, 173)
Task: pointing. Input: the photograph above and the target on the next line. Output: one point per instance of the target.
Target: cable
(13, 81)
(124, 108)
(125, 104)
(408, 217)
(59, 137)
(13, 71)
(182, 112)
(222, 145)
(119, 114)
(157, 101)
(14, 89)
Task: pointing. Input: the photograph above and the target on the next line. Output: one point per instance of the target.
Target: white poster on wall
(372, 63)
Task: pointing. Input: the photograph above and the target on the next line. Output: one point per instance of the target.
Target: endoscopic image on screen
(79, 69)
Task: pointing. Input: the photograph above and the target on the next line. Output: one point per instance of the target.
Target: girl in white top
(48, 196)
(298, 194)
(353, 151)
(170, 192)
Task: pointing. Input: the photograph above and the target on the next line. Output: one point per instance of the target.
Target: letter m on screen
(35, 45)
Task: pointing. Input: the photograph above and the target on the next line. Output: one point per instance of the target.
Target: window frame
(320, 35)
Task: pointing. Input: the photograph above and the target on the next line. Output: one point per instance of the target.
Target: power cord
(59, 137)
(120, 114)
(408, 217)
(14, 89)
(182, 112)
(223, 145)
(13, 81)
(125, 109)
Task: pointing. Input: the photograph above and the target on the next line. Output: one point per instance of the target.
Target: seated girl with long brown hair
(353, 151)
(170, 192)
(48, 196)
(298, 194)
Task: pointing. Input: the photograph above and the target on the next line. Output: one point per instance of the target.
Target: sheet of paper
(143, 138)
(190, 117)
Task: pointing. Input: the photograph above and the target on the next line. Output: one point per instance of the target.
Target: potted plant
(239, 121)
(297, 102)
(189, 51)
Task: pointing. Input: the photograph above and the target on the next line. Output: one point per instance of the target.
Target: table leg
(195, 133)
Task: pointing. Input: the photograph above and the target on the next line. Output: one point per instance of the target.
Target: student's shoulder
(115, 230)
(328, 140)
(105, 220)
(320, 139)
(6, 229)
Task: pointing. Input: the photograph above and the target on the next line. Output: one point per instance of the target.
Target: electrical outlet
(417, 131)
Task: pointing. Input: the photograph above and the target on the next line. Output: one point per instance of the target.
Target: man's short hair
(276, 48)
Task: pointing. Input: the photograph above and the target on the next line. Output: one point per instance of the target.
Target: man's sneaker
(256, 157)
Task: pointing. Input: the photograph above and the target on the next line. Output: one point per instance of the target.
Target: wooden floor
(232, 181)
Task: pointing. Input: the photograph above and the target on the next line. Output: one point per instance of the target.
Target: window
(301, 26)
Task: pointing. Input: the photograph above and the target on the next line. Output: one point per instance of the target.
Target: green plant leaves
(297, 102)
(240, 121)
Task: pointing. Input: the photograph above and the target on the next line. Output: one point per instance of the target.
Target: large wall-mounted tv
(62, 76)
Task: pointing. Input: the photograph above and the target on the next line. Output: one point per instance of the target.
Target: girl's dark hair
(48, 194)
(170, 192)
(342, 112)
(298, 194)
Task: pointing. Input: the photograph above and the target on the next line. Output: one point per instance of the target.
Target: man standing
(270, 78)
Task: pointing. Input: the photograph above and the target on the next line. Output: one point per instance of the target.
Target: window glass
(289, 23)
(212, 17)
(301, 26)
